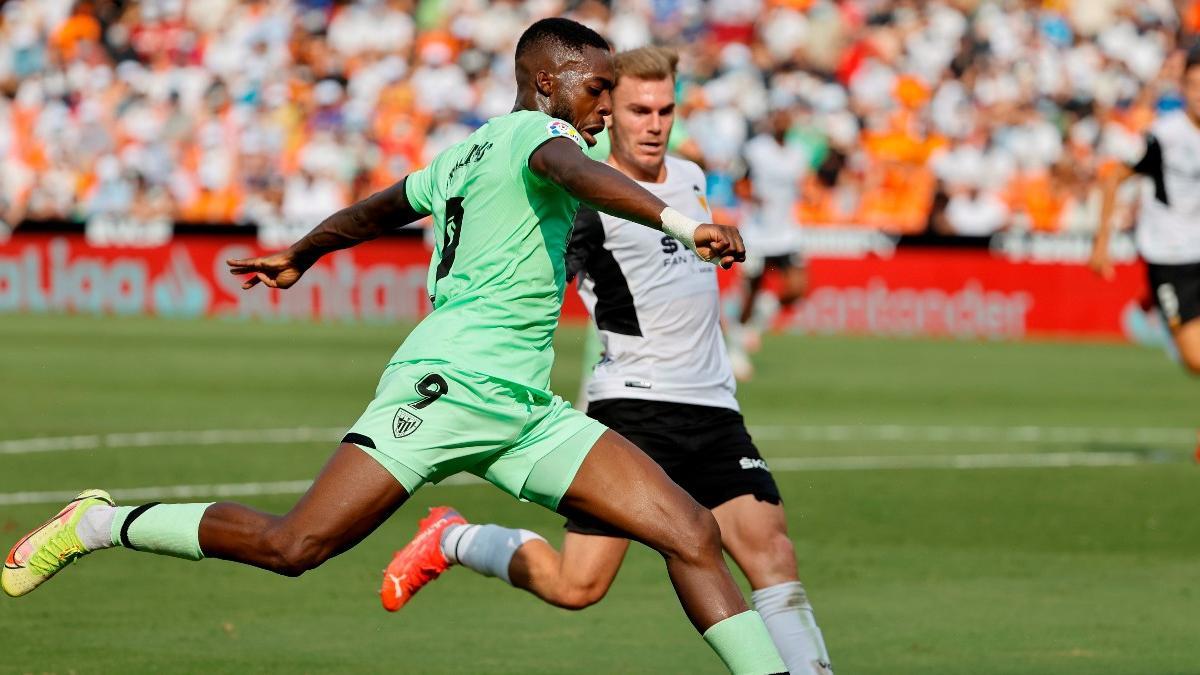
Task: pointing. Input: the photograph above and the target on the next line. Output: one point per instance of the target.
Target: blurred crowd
(955, 116)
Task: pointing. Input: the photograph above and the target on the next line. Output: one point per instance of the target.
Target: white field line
(778, 465)
(973, 434)
(158, 439)
(827, 433)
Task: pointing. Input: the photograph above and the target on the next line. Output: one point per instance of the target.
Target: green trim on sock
(167, 529)
(743, 643)
(119, 516)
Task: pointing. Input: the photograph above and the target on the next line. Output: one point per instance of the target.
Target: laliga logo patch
(404, 423)
(561, 128)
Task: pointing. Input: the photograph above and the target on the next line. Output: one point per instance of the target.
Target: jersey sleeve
(418, 187)
(535, 129)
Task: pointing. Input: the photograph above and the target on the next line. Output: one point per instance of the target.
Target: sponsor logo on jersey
(561, 128)
(404, 423)
(700, 196)
(753, 463)
(473, 155)
(638, 384)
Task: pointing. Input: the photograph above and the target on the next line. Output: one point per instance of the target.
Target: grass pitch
(912, 570)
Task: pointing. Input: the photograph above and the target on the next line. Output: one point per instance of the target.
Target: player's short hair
(647, 63)
(564, 33)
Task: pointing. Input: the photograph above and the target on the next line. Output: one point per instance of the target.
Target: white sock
(789, 618)
(487, 549)
(95, 527)
(766, 308)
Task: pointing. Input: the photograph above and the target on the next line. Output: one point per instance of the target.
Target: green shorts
(430, 420)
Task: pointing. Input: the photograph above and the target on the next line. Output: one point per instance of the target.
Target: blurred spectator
(973, 115)
(975, 213)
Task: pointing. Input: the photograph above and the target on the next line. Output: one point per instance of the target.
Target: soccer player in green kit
(468, 388)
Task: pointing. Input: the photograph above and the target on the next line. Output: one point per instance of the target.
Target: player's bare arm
(599, 185)
(1100, 262)
(385, 210)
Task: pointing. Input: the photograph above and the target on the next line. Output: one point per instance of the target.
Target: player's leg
(752, 286)
(740, 336)
(1176, 290)
(795, 281)
(349, 499)
(722, 469)
(793, 276)
(620, 486)
(755, 533)
(1187, 341)
(576, 578)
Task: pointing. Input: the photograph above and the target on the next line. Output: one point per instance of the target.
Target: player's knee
(697, 537)
(293, 555)
(579, 596)
(779, 554)
(1191, 361)
(793, 293)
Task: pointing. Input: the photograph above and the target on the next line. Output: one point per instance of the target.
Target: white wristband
(680, 226)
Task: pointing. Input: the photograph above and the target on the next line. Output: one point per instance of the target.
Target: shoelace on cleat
(59, 551)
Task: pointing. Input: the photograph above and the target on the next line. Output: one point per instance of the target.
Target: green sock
(743, 643)
(169, 529)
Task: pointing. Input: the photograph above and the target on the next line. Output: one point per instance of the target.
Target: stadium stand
(960, 117)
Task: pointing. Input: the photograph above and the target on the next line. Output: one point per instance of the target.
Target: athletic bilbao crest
(404, 423)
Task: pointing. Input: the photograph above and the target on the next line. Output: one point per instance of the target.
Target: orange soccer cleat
(419, 562)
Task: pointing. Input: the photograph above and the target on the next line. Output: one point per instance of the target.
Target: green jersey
(497, 275)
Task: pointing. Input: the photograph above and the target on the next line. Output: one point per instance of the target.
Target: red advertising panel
(961, 292)
(966, 293)
(186, 276)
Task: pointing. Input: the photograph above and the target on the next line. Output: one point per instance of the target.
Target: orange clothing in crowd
(1191, 17)
(212, 206)
(1040, 198)
(78, 28)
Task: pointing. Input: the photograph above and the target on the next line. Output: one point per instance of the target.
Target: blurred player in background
(468, 388)
(657, 307)
(775, 170)
(1167, 231)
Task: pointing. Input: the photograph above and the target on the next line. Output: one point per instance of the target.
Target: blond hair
(647, 63)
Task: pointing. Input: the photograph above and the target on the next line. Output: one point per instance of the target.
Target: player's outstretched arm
(365, 220)
(1100, 262)
(604, 188)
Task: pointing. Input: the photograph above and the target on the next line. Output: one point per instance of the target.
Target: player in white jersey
(1168, 222)
(657, 309)
(775, 170)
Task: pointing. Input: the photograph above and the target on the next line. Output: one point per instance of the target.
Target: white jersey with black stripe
(655, 303)
(1168, 221)
(776, 171)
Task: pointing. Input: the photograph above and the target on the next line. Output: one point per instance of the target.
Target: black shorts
(706, 450)
(1176, 291)
(755, 267)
